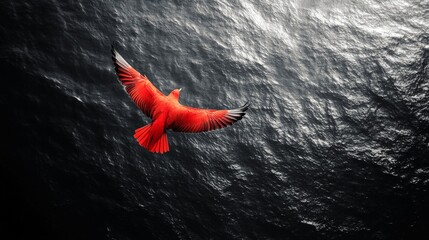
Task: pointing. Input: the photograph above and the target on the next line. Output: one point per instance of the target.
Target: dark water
(334, 146)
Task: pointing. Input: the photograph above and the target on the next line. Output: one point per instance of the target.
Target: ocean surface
(335, 144)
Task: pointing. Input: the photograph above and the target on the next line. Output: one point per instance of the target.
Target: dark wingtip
(238, 113)
(245, 106)
(113, 46)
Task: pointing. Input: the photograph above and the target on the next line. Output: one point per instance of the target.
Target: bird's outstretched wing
(142, 91)
(201, 120)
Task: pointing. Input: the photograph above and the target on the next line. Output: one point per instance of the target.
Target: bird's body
(166, 111)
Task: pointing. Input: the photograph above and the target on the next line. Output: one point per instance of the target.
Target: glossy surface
(334, 146)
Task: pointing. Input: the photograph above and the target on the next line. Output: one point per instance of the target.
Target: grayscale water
(335, 144)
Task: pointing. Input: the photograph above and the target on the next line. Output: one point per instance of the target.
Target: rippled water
(334, 146)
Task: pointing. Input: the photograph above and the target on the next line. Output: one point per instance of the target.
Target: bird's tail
(146, 139)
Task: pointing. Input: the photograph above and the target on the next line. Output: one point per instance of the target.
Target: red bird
(166, 111)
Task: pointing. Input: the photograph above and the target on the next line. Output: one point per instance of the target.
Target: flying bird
(165, 111)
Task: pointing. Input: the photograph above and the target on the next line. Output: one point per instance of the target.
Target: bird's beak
(180, 89)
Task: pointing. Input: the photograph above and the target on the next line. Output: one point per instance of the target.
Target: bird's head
(176, 93)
